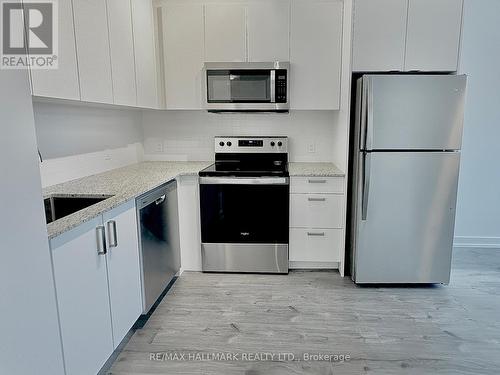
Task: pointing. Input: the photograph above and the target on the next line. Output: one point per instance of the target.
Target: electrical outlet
(311, 147)
(158, 146)
(107, 157)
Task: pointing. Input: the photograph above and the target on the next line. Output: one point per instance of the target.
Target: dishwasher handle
(160, 200)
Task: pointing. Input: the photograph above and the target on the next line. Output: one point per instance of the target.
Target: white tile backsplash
(188, 135)
(57, 170)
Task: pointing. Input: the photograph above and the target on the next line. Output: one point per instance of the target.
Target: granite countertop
(314, 169)
(134, 180)
(123, 184)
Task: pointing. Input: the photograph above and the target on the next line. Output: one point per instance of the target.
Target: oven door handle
(244, 181)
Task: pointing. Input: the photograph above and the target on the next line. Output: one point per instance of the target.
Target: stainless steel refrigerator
(408, 135)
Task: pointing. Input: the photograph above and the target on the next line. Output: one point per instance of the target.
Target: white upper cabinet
(183, 38)
(122, 52)
(225, 32)
(433, 38)
(63, 81)
(379, 35)
(145, 54)
(268, 29)
(406, 35)
(316, 54)
(92, 44)
(124, 275)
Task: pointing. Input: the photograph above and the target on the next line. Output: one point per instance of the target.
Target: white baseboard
(313, 265)
(477, 242)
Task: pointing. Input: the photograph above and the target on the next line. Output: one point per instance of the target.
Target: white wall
(78, 140)
(478, 211)
(188, 135)
(30, 340)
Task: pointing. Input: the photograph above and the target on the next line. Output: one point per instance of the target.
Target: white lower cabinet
(98, 295)
(316, 210)
(124, 272)
(317, 222)
(315, 245)
(83, 300)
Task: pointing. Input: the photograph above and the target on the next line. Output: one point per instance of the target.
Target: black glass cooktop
(244, 165)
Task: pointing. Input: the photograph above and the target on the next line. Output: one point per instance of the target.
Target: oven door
(244, 224)
(248, 210)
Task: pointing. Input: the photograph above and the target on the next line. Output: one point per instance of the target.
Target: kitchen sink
(57, 207)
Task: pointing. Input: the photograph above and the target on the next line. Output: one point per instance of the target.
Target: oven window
(244, 213)
(239, 86)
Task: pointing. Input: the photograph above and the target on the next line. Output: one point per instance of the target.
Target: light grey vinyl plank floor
(452, 329)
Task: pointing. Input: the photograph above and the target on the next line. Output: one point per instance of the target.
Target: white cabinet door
(379, 35)
(183, 46)
(317, 184)
(145, 54)
(315, 245)
(315, 54)
(123, 269)
(83, 299)
(268, 29)
(63, 81)
(225, 32)
(316, 211)
(92, 45)
(122, 52)
(433, 36)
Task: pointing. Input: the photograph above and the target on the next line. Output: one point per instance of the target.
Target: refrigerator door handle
(366, 185)
(368, 115)
(362, 109)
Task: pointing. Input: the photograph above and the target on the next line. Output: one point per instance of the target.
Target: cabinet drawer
(315, 245)
(333, 185)
(316, 211)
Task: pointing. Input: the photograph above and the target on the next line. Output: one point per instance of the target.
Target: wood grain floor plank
(451, 329)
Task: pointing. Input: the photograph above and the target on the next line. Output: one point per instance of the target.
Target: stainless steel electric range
(244, 206)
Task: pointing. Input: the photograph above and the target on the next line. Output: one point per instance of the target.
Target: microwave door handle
(272, 82)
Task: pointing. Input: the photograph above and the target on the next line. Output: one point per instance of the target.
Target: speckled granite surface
(123, 184)
(314, 169)
(134, 180)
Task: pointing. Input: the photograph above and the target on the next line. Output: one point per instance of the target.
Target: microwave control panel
(281, 78)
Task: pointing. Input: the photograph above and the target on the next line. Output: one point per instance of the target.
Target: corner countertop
(314, 169)
(123, 184)
(129, 182)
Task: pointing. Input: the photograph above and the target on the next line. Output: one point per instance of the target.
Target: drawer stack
(316, 221)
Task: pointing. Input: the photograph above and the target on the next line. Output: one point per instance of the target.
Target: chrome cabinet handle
(316, 199)
(318, 234)
(113, 238)
(317, 181)
(101, 240)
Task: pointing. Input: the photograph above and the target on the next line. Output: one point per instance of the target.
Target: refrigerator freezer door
(413, 112)
(405, 216)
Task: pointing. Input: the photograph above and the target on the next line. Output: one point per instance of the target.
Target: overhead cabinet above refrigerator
(406, 35)
(406, 161)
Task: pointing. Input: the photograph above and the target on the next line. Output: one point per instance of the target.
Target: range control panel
(266, 144)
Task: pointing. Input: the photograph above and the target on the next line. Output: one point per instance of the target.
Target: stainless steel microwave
(246, 86)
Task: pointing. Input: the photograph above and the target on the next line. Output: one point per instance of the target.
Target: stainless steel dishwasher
(158, 218)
